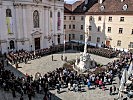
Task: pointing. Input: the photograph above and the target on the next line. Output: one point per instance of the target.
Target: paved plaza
(45, 64)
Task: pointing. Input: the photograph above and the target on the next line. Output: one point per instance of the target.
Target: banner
(9, 25)
(58, 23)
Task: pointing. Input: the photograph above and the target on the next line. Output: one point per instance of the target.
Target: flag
(9, 25)
(58, 23)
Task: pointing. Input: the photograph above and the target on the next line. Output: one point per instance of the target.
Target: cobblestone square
(45, 64)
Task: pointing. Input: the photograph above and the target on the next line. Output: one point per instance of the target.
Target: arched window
(12, 44)
(59, 21)
(36, 19)
(8, 13)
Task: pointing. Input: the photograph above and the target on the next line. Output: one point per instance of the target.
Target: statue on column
(85, 46)
(85, 61)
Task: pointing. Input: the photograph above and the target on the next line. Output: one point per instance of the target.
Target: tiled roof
(72, 7)
(68, 6)
(81, 8)
(112, 7)
(78, 6)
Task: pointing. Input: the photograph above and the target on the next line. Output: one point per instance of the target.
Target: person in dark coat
(29, 95)
(52, 58)
(13, 92)
(21, 98)
(110, 90)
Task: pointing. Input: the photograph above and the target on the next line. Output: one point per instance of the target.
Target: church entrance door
(37, 43)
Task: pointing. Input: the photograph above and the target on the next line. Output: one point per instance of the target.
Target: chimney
(100, 1)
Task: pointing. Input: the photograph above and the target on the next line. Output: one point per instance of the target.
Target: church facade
(31, 24)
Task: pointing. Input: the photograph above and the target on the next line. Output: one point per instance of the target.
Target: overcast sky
(70, 1)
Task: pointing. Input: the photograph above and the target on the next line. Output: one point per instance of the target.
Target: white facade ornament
(85, 61)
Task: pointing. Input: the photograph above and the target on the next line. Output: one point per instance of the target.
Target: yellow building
(110, 22)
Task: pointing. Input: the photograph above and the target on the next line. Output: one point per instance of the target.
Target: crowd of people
(59, 78)
(109, 53)
(21, 56)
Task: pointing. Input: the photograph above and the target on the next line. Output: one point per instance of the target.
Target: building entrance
(37, 43)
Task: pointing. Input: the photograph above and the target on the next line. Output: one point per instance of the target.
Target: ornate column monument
(85, 62)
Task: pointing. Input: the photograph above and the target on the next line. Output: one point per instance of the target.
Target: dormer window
(125, 7)
(102, 8)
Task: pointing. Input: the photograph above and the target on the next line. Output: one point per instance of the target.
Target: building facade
(110, 22)
(74, 22)
(31, 24)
